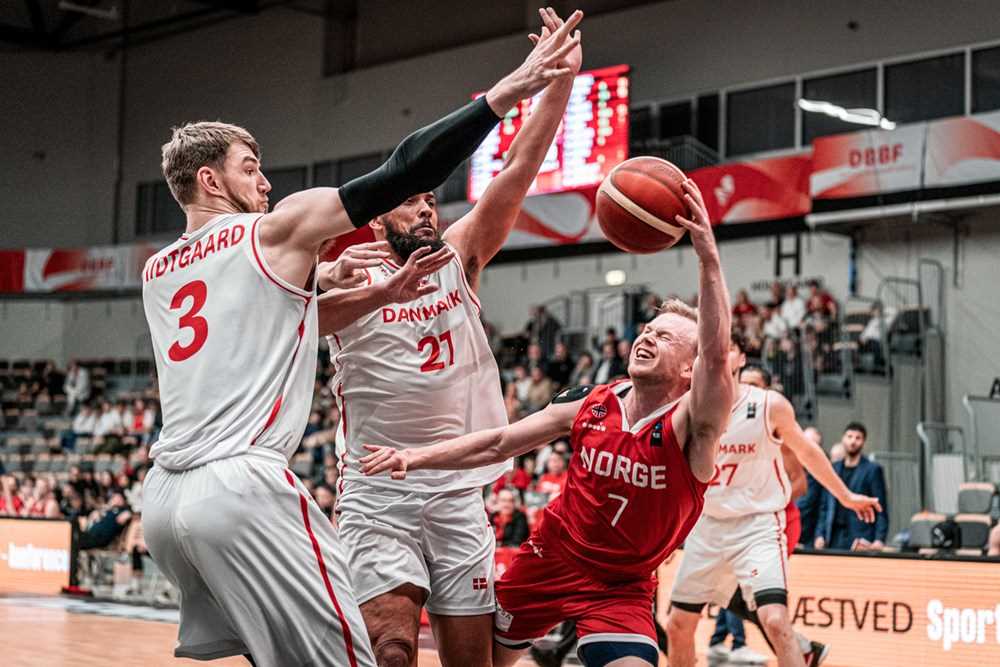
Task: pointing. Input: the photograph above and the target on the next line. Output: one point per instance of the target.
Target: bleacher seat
(975, 529)
(43, 463)
(58, 464)
(976, 497)
(14, 463)
(921, 526)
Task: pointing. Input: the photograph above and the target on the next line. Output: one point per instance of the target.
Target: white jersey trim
(258, 254)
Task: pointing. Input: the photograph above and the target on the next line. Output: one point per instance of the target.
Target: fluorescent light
(615, 277)
(859, 116)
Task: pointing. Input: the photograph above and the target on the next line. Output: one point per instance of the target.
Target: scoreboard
(590, 141)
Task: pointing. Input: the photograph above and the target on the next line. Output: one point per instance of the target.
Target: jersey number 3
(432, 364)
(198, 292)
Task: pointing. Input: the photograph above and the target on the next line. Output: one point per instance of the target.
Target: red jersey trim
(266, 270)
(777, 473)
(345, 628)
(391, 263)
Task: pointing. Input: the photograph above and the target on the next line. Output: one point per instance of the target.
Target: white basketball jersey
(749, 473)
(235, 346)
(415, 374)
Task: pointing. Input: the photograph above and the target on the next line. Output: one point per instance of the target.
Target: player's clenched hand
(699, 226)
(551, 23)
(348, 269)
(383, 459)
(864, 506)
(410, 282)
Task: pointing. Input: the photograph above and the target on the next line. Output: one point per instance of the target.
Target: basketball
(637, 202)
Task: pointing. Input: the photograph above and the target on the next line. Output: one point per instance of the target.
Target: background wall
(266, 72)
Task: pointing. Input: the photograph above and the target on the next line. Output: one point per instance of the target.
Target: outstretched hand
(349, 270)
(410, 282)
(865, 507)
(699, 225)
(383, 459)
(550, 24)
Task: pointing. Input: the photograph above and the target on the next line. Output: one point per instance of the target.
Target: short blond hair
(677, 307)
(196, 145)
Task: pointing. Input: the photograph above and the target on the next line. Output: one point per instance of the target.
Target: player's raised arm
(710, 400)
(477, 449)
(480, 234)
(782, 416)
(420, 163)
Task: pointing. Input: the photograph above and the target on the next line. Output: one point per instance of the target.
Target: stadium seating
(921, 528)
(975, 531)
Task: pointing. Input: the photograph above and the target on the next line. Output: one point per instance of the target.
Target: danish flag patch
(480, 583)
(599, 411)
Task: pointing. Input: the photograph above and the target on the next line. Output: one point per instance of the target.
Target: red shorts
(793, 526)
(540, 590)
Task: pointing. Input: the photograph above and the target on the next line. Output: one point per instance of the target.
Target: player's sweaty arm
(782, 416)
(480, 234)
(476, 449)
(707, 405)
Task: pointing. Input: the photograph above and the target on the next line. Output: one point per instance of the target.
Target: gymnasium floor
(59, 632)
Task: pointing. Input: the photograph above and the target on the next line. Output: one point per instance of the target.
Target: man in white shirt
(775, 325)
(77, 386)
(793, 308)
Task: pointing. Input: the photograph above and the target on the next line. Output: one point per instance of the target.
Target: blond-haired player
(232, 311)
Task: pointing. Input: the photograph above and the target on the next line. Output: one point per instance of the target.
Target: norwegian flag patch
(480, 583)
(599, 411)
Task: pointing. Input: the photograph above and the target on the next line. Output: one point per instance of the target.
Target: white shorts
(257, 564)
(720, 554)
(441, 542)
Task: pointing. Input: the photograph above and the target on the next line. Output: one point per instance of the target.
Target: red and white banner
(770, 189)
(867, 163)
(963, 150)
(73, 269)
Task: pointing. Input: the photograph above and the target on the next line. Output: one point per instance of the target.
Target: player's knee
(774, 619)
(681, 624)
(394, 652)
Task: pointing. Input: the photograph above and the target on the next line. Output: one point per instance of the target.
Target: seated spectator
(535, 358)
(838, 527)
(138, 419)
(517, 479)
(554, 479)
(560, 367)
(517, 392)
(544, 328)
(53, 380)
(624, 349)
(743, 306)
(777, 295)
(77, 386)
(774, 325)
(85, 421)
(326, 499)
(10, 499)
(583, 372)
(509, 523)
(540, 391)
(71, 505)
(43, 503)
(871, 336)
(108, 524)
(109, 429)
(793, 308)
(610, 366)
(821, 300)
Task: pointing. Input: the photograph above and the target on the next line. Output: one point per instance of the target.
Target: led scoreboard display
(592, 138)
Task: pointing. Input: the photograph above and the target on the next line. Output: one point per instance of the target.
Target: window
(986, 80)
(284, 182)
(675, 119)
(640, 129)
(157, 212)
(851, 90)
(925, 89)
(761, 119)
(325, 174)
(707, 131)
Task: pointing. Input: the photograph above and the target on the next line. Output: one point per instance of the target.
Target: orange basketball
(637, 202)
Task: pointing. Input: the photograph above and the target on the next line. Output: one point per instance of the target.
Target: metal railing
(685, 151)
(903, 482)
(946, 464)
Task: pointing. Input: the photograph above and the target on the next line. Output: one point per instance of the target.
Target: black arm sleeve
(420, 163)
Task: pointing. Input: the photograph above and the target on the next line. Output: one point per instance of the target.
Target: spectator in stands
(108, 525)
(535, 357)
(518, 479)
(650, 308)
(583, 372)
(624, 349)
(10, 499)
(870, 339)
(544, 328)
(326, 499)
(560, 367)
(509, 523)
(774, 325)
(610, 365)
(743, 306)
(552, 482)
(777, 295)
(109, 428)
(517, 392)
(42, 504)
(840, 528)
(820, 300)
(793, 308)
(994, 542)
(72, 506)
(77, 386)
(138, 419)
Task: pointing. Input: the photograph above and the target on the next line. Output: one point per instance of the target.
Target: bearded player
(232, 312)
(643, 454)
(740, 542)
(414, 368)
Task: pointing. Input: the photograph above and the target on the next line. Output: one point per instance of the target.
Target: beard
(405, 243)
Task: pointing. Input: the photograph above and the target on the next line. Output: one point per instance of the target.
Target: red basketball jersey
(630, 498)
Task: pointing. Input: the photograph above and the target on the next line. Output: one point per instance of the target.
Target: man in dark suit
(840, 529)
